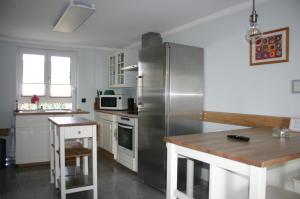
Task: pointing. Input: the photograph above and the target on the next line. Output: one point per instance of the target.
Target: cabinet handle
(125, 118)
(115, 134)
(140, 97)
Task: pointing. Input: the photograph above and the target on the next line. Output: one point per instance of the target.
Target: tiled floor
(114, 182)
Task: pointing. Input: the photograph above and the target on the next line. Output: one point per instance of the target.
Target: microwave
(113, 102)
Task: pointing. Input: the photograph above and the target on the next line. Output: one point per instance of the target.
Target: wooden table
(245, 158)
(70, 128)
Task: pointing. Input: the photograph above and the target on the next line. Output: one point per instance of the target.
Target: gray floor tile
(114, 182)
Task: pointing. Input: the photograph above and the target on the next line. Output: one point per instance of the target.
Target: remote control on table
(238, 137)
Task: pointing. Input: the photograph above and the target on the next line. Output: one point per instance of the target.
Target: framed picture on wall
(273, 47)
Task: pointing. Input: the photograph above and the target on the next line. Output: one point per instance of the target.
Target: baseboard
(105, 153)
(33, 164)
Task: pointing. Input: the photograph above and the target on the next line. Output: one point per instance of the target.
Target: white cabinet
(117, 77)
(32, 138)
(107, 124)
(107, 135)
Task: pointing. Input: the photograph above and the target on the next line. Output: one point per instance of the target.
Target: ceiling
(115, 23)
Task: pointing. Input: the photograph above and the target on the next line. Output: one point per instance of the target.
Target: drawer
(78, 131)
(107, 116)
(32, 121)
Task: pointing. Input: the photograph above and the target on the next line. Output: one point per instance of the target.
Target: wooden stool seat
(77, 152)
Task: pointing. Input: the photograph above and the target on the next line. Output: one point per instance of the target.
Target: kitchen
(230, 83)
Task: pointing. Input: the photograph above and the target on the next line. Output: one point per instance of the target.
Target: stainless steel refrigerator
(170, 101)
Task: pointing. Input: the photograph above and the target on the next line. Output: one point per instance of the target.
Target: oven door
(126, 139)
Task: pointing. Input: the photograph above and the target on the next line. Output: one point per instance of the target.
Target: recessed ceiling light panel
(74, 15)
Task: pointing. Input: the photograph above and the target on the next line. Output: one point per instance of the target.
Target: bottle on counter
(17, 106)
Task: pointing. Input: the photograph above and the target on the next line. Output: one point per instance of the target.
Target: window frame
(47, 75)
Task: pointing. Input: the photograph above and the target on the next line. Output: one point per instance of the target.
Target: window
(60, 77)
(33, 75)
(48, 74)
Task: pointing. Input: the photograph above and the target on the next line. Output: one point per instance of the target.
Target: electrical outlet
(295, 86)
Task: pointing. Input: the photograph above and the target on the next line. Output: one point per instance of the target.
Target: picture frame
(272, 48)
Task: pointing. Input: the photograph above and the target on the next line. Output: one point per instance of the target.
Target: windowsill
(46, 112)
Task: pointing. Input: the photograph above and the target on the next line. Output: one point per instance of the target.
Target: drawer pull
(79, 132)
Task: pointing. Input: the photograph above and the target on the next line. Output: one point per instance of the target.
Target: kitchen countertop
(51, 112)
(120, 113)
(263, 150)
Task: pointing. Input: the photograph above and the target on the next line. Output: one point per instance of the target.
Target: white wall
(92, 74)
(231, 84)
(7, 83)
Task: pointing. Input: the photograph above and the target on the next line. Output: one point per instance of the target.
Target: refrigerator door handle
(140, 91)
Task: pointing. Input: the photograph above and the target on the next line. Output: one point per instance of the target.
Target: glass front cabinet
(117, 76)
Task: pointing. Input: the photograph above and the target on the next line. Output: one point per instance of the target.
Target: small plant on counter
(35, 100)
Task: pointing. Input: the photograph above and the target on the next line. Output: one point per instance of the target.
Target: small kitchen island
(250, 159)
(73, 129)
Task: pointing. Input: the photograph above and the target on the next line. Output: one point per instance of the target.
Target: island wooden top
(71, 121)
(263, 150)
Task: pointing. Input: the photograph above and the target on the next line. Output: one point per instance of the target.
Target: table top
(71, 121)
(263, 150)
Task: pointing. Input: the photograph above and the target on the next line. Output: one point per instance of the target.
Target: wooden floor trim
(250, 120)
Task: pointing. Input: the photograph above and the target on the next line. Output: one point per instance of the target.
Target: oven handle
(125, 126)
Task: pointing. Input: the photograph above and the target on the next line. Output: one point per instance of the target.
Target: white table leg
(51, 153)
(217, 186)
(172, 164)
(77, 161)
(56, 155)
(257, 182)
(78, 158)
(62, 164)
(94, 148)
(190, 177)
(85, 159)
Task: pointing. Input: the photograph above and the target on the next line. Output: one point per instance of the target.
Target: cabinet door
(107, 135)
(39, 147)
(100, 133)
(112, 70)
(120, 66)
(22, 145)
(119, 78)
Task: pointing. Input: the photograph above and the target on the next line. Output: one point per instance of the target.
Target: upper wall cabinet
(119, 78)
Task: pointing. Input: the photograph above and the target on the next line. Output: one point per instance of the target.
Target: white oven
(127, 142)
